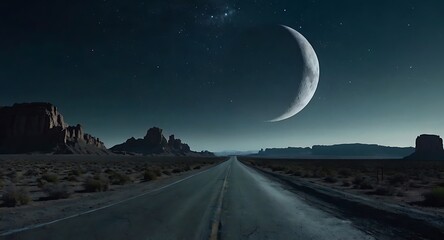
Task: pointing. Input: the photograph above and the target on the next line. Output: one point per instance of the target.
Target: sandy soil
(402, 182)
(29, 172)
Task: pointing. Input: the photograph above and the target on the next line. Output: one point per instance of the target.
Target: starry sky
(212, 72)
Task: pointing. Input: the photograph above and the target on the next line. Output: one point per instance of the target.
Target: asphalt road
(228, 201)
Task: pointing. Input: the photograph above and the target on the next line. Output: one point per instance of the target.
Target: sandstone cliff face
(39, 127)
(154, 142)
(428, 147)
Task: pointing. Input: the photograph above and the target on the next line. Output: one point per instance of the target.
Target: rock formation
(428, 147)
(354, 150)
(40, 128)
(155, 143)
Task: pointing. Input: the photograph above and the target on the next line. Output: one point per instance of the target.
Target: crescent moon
(310, 77)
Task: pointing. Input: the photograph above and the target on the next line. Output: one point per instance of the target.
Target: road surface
(228, 201)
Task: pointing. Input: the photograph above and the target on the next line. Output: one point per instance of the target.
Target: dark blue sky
(212, 72)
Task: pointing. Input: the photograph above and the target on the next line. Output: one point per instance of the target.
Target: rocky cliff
(428, 147)
(154, 143)
(40, 128)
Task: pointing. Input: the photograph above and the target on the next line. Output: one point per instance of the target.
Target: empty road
(228, 201)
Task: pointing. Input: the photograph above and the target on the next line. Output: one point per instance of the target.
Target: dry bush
(346, 184)
(31, 172)
(398, 179)
(187, 168)
(277, 168)
(72, 178)
(297, 173)
(117, 178)
(385, 191)
(166, 172)
(97, 183)
(345, 173)
(362, 183)
(75, 172)
(435, 197)
(149, 175)
(57, 191)
(51, 178)
(330, 179)
(157, 172)
(357, 180)
(177, 170)
(13, 176)
(14, 196)
(197, 167)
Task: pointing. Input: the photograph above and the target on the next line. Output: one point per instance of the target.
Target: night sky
(212, 72)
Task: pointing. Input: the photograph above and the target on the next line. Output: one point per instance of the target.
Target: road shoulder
(329, 199)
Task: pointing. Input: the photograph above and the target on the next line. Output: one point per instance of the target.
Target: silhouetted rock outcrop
(40, 128)
(155, 143)
(428, 147)
(339, 150)
(362, 150)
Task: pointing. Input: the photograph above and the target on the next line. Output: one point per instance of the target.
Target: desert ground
(35, 188)
(223, 199)
(412, 183)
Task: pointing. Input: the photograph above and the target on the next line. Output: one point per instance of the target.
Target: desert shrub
(345, 173)
(187, 168)
(318, 174)
(14, 196)
(157, 172)
(346, 184)
(385, 191)
(96, 184)
(76, 172)
(398, 179)
(149, 175)
(166, 172)
(366, 184)
(177, 170)
(118, 178)
(51, 178)
(277, 168)
(362, 183)
(197, 167)
(399, 193)
(31, 172)
(57, 191)
(435, 197)
(358, 180)
(13, 176)
(72, 178)
(330, 179)
(297, 173)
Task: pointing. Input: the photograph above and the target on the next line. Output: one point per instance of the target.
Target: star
(218, 16)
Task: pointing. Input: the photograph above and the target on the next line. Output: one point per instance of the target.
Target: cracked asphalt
(252, 207)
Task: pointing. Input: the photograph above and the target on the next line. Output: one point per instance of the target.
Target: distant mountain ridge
(339, 150)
